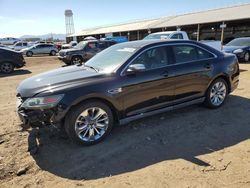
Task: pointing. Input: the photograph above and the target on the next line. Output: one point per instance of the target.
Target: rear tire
(53, 53)
(6, 67)
(216, 94)
(89, 123)
(246, 57)
(29, 54)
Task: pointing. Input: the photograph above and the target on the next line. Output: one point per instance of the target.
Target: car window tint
(111, 43)
(153, 58)
(202, 54)
(177, 36)
(187, 53)
(92, 45)
(102, 45)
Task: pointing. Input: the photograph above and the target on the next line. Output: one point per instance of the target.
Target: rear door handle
(165, 74)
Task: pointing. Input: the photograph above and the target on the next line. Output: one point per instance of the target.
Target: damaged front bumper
(38, 116)
(31, 117)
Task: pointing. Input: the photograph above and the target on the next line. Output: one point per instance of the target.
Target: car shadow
(181, 134)
(16, 73)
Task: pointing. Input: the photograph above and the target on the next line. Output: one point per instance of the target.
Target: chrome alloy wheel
(218, 93)
(91, 124)
(76, 60)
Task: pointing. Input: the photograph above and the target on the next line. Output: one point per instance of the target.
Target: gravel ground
(191, 147)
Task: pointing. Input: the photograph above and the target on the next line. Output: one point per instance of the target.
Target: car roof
(143, 43)
(166, 32)
(242, 38)
(154, 42)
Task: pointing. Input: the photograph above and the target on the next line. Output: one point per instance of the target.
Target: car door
(47, 48)
(193, 67)
(90, 50)
(36, 49)
(151, 89)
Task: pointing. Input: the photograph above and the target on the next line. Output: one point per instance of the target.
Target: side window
(91, 46)
(204, 55)
(25, 44)
(19, 44)
(153, 58)
(111, 43)
(177, 36)
(187, 53)
(102, 45)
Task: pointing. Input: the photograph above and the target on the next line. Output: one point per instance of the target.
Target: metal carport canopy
(210, 16)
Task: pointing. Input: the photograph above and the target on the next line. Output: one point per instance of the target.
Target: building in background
(205, 25)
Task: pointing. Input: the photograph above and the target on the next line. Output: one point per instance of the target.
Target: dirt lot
(191, 147)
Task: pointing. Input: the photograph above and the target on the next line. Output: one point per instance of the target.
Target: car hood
(53, 80)
(230, 49)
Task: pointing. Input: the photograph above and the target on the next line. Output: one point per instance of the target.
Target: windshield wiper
(92, 68)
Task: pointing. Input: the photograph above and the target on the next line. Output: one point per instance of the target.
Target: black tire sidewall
(12, 68)
(53, 51)
(29, 54)
(73, 114)
(80, 58)
(208, 102)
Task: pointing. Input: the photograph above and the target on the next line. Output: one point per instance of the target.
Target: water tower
(69, 22)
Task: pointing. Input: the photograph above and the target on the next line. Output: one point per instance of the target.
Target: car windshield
(239, 42)
(81, 45)
(156, 36)
(111, 58)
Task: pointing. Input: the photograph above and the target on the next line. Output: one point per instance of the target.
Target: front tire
(6, 67)
(76, 60)
(216, 93)
(89, 123)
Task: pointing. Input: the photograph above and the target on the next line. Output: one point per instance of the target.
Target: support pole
(198, 32)
(138, 35)
(222, 35)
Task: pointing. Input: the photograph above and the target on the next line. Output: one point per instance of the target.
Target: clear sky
(35, 17)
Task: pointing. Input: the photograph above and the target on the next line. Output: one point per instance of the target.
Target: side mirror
(136, 68)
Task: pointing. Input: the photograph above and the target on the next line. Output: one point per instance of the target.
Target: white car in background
(182, 35)
(9, 41)
(168, 35)
(20, 45)
(70, 45)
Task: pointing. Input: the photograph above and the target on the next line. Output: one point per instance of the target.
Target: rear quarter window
(187, 53)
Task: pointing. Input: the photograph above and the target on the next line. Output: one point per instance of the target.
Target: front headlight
(42, 102)
(238, 51)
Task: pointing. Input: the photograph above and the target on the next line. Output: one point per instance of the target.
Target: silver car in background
(38, 49)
